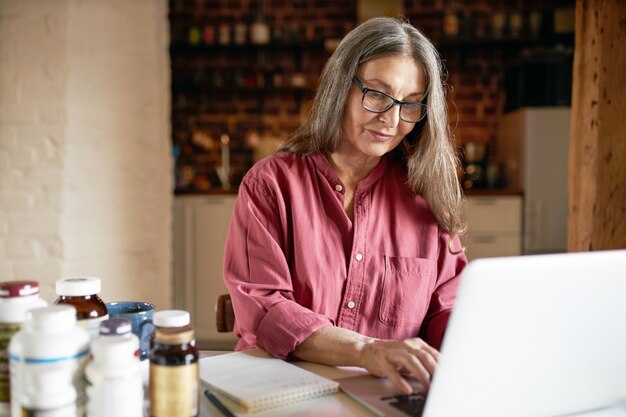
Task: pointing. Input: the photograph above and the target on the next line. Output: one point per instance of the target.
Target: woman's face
(371, 135)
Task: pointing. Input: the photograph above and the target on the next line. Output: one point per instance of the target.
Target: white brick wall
(85, 165)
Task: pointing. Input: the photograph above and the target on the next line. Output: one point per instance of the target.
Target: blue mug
(140, 315)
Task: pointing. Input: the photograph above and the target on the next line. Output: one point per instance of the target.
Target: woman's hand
(392, 358)
(336, 346)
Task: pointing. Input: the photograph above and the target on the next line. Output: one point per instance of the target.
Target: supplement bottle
(16, 298)
(49, 393)
(114, 382)
(173, 366)
(82, 293)
(50, 339)
(119, 326)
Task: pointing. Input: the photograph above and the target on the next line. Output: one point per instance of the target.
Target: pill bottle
(16, 298)
(113, 374)
(118, 326)
(48, 393)
(82, 293)
(49, 339)
(174, 373)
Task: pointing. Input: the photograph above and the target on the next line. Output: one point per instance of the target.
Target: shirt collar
(325, 169)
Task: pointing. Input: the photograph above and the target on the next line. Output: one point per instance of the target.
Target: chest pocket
(407, 287)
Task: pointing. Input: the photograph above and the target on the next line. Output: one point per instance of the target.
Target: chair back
(224, 315)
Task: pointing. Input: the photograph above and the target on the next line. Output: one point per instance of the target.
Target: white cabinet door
(200, 227)
(494, 226)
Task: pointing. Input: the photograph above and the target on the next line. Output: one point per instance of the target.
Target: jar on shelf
(451, 22)
(240, 33)
(224, 35)
(194, 35)
(208, 35)
(260, 31)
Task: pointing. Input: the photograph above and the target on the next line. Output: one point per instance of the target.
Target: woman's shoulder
(280, 161)
(283, 166)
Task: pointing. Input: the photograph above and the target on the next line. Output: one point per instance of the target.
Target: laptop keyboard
(411, 405)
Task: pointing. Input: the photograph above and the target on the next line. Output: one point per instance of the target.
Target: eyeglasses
(379, 102)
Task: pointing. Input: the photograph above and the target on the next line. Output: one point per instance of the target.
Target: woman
(343, 248)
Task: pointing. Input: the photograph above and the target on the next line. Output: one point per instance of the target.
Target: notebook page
(257, 381)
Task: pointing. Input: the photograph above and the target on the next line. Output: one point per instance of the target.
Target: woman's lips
(380, 137)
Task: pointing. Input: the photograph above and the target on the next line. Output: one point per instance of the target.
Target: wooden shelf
(186, 48)
(205, 88)
(248, 117)
(505, 43)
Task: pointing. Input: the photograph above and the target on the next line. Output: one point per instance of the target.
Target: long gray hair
(428, 150)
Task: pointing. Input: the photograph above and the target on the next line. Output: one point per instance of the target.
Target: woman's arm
(336, 346)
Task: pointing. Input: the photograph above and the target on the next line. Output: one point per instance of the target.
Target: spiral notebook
(256, 381)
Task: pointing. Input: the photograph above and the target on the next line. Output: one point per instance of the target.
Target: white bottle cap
(171, 318)
(56, 318)
(78, 286)
(110, 350)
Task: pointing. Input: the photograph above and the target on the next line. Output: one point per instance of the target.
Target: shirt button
(339, 187)
(359, 256)
(351, 304)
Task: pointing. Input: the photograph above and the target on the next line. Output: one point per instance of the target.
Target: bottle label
(75, 364)
(7, 330)
(122, 396)
(174, 390)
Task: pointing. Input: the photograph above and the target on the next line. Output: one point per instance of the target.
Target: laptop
(540, 335)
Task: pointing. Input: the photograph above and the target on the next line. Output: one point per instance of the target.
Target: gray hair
(428, 151)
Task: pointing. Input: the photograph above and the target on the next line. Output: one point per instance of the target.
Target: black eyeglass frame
(394, 101)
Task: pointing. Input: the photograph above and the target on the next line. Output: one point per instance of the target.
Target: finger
(419, 344)
(424, 355)
(418, 370)
(396, 379)
(428, 360)
(434, 352)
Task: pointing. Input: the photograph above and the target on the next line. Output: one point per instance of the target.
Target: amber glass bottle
(82, 293)
(174, 372)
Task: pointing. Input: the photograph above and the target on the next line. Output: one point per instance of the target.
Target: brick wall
(476, 72)
(85, 166)
(477, 57)
(272, 107)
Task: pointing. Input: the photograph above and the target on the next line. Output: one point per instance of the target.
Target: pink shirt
(294, 262)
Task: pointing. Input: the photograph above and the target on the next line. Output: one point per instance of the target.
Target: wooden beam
(597, 158)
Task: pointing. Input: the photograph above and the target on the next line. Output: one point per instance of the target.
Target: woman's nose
(391, 117)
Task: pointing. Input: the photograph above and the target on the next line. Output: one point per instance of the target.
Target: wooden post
(597, 158)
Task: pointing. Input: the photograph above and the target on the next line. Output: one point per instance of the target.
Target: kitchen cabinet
(494, 226)
(200, 227)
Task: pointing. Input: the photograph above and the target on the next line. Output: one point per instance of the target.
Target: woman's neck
(352, 170)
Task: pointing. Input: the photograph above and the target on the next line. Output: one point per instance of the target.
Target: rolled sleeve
(257, 275)
(285, 326)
